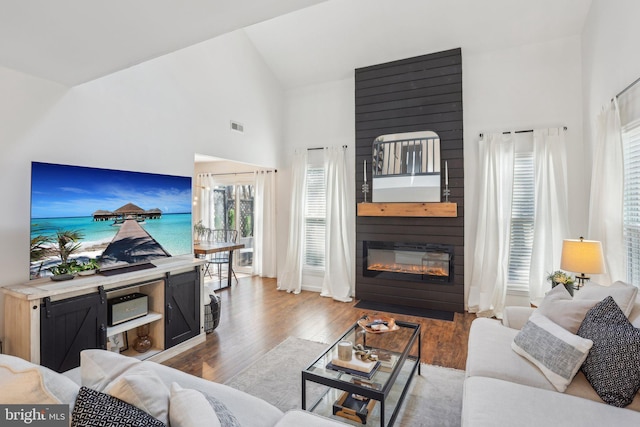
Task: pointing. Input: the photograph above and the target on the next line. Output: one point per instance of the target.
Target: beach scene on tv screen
(86, 219)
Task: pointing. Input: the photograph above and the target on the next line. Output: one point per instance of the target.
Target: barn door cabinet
(50, 323)
(69, 326)
(182, 308)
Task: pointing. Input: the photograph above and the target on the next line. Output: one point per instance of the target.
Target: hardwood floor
(255, 317)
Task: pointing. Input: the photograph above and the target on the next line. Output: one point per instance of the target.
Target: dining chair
(203, 234)
(220, 258)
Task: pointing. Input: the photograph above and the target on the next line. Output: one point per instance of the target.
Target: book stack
(355, 366)
(387, 360)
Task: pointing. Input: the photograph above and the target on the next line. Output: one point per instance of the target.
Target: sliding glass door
(233, 210)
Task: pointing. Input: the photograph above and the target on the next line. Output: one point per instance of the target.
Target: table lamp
(582, 256)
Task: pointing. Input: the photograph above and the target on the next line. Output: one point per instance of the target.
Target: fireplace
(421, 262)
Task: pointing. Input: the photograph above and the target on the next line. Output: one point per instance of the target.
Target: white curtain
(606, 204)
(264, 248)
(291, 278)
(338, 282)
(205, 208)
(552, 210)
(488, 287)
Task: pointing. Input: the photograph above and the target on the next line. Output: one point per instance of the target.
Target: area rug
(434, 399)
(406, 310)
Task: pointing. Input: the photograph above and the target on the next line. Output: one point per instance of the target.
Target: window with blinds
(522, 219)
(315, 214)
(631, 201)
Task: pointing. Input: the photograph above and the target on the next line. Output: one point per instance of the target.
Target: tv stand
(34, 310)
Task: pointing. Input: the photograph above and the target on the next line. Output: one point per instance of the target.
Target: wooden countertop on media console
(45, 287)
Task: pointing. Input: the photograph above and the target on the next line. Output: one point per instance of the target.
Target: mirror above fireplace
(406, 167)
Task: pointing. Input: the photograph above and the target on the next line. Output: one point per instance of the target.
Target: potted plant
(89, 267)
(200, 232)
(559, 277)
(64, 271)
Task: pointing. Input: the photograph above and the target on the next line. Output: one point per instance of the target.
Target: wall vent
(238, 127)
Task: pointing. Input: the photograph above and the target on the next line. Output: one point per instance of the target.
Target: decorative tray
(378, 324)
(353, 407)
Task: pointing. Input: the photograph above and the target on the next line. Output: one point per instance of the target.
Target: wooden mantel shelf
(447, 209)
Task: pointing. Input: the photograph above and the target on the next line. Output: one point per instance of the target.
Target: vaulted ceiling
(74, 41)
(302, 41)
(328, 41)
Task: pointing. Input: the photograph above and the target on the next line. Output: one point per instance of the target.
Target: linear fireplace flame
(408, 261)
(409, 269)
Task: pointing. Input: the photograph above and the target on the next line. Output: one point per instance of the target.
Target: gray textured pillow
(613, 365)
(226, 417)
(554, 350)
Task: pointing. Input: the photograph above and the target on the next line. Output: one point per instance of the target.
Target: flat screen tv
(85, 219)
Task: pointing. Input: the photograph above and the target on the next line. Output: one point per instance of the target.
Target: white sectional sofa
(160, 391)
(503, 388)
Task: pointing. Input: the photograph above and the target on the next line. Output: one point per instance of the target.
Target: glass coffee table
(357, 398)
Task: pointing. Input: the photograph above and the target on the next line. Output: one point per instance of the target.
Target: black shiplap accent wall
(415, 94)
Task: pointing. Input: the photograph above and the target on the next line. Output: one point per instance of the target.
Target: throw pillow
(98, 368)
(613, 365)
(126, 378)
(189, 408)
(623, 294)
(554, 350)
(226, 417)
(143, 389)
(94, 408)
(57, 385)
(562, 309)
(634, 316)
(23, 387)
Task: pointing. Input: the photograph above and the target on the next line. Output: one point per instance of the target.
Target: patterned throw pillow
(613, 365)
(555, 351)
(94, 408)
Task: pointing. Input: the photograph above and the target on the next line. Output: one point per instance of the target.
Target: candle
(446, 173)
(365, 171)
(344, 350)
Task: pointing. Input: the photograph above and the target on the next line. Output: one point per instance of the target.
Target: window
(522, 219)
(315, 214)
(631, 201)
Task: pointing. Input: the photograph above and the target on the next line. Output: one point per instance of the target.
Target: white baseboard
(312, 288)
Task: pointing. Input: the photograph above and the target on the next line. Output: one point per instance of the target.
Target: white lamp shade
(582, 256)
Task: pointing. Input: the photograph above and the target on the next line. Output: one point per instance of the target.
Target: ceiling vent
(238, 127)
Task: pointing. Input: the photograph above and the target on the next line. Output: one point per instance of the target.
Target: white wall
(150, 118)
(315, 116)
(610, 59)
(522, 88)
(533, 86)
(24, 102)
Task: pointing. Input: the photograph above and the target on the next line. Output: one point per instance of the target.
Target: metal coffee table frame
(317, 373)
